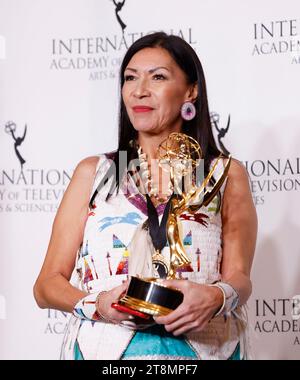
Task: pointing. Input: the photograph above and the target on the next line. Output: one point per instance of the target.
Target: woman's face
(154, 90)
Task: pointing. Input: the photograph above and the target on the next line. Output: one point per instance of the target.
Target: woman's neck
(150, 142)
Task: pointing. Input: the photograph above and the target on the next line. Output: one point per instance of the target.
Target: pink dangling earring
(188, 111)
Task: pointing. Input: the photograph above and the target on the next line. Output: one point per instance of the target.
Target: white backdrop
(58, 77)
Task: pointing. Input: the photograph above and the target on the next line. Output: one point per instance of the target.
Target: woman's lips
(142, 109)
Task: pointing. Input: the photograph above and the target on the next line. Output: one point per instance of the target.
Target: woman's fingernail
(127, 324)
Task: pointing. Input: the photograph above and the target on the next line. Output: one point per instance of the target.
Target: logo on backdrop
(273, 176)
(266, 176)
(10, 128)
(215, 119)
(278, 316)
(56, 322)
(28, 189)
(100, 56)
(277, 37)
(119, 5)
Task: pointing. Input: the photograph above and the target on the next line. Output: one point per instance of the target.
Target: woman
(163, 91)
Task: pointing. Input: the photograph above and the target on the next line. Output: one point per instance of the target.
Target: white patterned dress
(102, 264)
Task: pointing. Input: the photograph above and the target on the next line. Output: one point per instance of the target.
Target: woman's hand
(104, 305)
(199, 305)
(114, 316)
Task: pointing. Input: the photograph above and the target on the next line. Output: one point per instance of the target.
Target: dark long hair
(199, 128)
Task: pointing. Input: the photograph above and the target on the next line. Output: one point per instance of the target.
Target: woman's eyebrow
(157, 68)
(150, 70)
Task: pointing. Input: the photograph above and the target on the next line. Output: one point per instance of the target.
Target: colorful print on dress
(108, 263)
(79, 252)
(129, 218)
(199, 218)
(133, 195)
(198, 253)
(85, 251)
(188, 239)
(92, 213)
(218, 263)
(185, 268)
(80, 312)
(88, 274)
(123, 264)
(79, 272)
(96, 274)
(95, 316)
(117, 242)
(213, 206)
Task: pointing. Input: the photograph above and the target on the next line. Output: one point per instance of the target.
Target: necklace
(147, 179)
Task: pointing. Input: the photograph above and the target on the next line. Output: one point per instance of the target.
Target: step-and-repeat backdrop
(59, 63)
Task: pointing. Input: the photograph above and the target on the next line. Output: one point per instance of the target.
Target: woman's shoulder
(89, 165)
(238, 182)
(237, 169)
(237, 176)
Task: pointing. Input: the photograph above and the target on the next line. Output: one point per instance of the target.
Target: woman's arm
(239, 221)
(239, 232)
(52, 288)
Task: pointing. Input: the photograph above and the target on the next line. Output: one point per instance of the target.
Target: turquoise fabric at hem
(77, 352)
(237, 353)
(156, 341)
